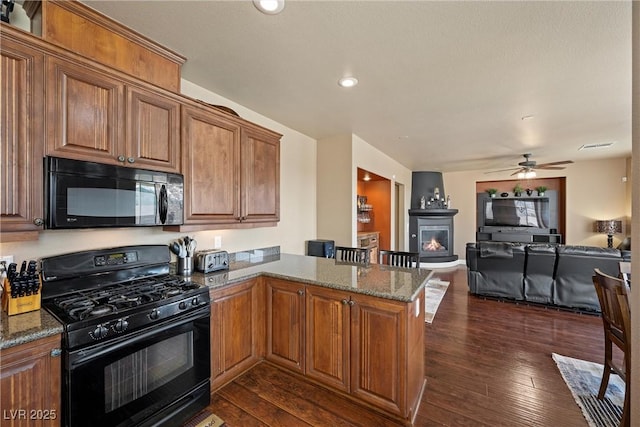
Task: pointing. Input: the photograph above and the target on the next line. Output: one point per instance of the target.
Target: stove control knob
(120, 325)
(182, 305)
(99, 332)
(195, 301)
(155, 314)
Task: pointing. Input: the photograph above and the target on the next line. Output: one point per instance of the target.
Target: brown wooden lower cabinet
(369, 348)
(285, 323)
(30, 383)
(237, 330)
(328, 337)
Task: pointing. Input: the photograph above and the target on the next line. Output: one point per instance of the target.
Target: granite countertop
(377, 280)
(26, 327)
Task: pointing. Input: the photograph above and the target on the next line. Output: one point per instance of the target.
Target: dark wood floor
(487, 363)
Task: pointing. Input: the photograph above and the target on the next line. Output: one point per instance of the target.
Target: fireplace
(431, 219)
(431, 234)
(433, 240)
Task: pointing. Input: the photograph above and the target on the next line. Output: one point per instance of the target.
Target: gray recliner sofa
(554, 275)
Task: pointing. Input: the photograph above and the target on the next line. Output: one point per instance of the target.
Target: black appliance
(83, 194)
(136, 341)
(321, 248)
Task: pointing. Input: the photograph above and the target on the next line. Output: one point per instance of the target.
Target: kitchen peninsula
(356, 330)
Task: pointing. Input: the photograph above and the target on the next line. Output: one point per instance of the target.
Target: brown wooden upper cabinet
(231, 170)
(21, 94)
(95, 116)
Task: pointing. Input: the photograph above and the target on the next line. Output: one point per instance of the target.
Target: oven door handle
(82, 356)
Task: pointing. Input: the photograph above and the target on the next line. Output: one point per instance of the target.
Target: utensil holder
(185, 266)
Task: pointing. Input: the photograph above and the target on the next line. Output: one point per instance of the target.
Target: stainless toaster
(211, 260)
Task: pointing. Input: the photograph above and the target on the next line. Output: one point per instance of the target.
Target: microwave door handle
(163, 205)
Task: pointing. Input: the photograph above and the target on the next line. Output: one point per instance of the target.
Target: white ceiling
(443, 85)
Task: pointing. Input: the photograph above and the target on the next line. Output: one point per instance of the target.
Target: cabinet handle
(38, 221)
(131, 160)
(121, 158)
(344, 302)
(413, 236)
(351, 302)
(56, 352)
(300, 292)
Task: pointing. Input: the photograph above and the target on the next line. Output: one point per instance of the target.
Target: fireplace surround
(431, 219)
(431, 234)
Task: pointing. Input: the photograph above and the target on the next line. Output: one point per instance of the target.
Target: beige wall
(297, 205)
(338, 161)
(595, 190)
(635, 197)
(334, 191)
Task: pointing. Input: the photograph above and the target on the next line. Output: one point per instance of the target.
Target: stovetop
(119, 298)
(107, 294)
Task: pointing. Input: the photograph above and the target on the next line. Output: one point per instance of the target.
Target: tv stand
(501, 236)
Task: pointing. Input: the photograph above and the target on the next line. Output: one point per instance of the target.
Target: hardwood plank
(232, 414)
(487, 363)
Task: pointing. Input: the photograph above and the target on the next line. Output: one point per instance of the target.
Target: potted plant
(491, 191)
(517, 190)
(541, 189)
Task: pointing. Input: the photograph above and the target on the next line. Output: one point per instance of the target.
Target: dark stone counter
(375, 280)
(26, 327)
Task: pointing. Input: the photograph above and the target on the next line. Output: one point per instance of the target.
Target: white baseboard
(437, 265)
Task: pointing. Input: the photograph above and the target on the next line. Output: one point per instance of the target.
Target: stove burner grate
(113, 298)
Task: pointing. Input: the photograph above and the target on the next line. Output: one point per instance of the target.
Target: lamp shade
(609, 226)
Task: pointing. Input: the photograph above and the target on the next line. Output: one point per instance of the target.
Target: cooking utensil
(192, 247)
(175, 247)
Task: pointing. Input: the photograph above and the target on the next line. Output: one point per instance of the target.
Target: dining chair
(399, 258)
(616, 321)
(625, 272)
(351, 255)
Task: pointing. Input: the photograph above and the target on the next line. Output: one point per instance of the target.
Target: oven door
(155, 376)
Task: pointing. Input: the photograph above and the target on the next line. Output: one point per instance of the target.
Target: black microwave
(81, 194)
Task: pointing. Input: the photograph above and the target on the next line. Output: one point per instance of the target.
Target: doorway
(400, 228)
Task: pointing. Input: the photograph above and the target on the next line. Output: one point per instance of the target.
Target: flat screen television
(514, 212)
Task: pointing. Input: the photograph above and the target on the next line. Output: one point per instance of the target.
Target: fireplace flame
(433, 245)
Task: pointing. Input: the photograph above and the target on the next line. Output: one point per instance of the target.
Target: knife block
(20, 304)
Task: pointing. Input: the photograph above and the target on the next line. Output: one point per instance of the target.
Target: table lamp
(610, 227)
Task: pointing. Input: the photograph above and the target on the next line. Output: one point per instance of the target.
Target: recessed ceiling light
(348, 82)
(270, 7)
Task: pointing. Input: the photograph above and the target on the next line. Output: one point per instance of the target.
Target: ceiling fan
(528, 167)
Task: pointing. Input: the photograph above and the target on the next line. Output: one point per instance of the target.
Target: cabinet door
(327, 338)
(378, 352)
(260, 176)
(22, 137)
(153, 130)
(85, 113)
(285, 323)
(211, 167)
(235, 335)
(30, 383)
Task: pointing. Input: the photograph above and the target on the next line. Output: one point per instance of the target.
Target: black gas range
(136, 337)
